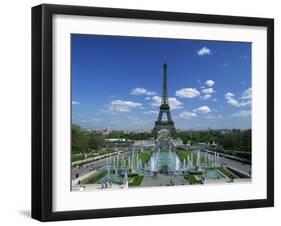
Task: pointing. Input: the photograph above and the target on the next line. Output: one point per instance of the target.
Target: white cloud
(231, 100)
(202, 110)
(245, 103)
(75, 102)
(242, 113)
(187, 93)
(150, 112)
(123, 106)
(229, 94)
(187, 115)
(208, 91)
(204, 51)
(142, 91)
(206, 97)
(173, 102)
(246, 98)
(210, 83)
(156, 101)
(247, 95)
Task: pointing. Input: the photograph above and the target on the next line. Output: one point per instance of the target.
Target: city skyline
(117, 82)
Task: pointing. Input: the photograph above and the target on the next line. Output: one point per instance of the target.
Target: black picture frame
(42, 111)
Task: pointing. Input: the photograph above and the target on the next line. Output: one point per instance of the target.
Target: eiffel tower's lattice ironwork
(164, 109)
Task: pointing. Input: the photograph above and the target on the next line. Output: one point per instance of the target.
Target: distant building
(144, 143)
(119, 140)
(106, 131)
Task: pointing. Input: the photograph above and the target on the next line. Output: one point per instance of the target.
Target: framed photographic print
(146, 112)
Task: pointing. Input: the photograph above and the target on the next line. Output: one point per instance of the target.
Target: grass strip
(226, 173)
(192, 179)
(136, 181)
(95, 178)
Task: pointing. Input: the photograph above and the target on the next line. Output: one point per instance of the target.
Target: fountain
(107, 165)
(177, 164)
(133, 160)
(138, 163)
(190, 165)
(198, 159)
(114, 165)
(126, 185)
(152, 163)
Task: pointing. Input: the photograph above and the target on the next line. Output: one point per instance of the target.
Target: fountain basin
(214, 175)
(164, 160)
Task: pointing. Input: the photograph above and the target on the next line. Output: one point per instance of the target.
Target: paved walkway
(162, 180)
(83, 177)
(85, 169)
(236, 165)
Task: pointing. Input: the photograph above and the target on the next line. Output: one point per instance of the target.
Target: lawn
(94, 179)
(136, 181)
(86, 155)
(192, 179)
(144, 156)
(184, 155)
(226, 173)
(77, 157)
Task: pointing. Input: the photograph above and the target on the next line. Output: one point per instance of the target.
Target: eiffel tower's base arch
(164, 125)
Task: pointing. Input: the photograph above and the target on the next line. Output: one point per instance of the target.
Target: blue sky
(117, 81)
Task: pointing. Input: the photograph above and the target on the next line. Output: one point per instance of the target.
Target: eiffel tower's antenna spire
(164, 99)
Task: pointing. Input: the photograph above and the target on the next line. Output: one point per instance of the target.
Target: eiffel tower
(164, 109)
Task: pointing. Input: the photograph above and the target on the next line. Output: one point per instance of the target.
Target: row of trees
(236, 139)
(240, 140)
(83, 140)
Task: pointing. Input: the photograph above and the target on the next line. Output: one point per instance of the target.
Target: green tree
(79, 139)
(95, 140)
